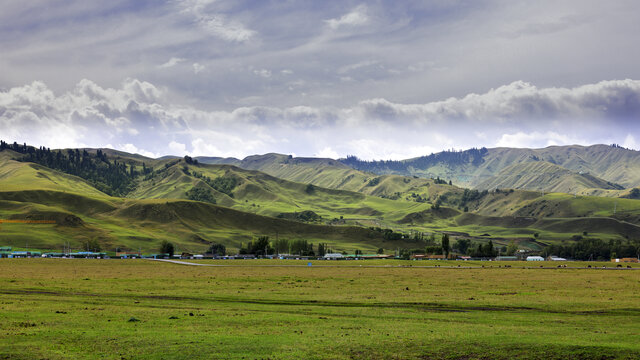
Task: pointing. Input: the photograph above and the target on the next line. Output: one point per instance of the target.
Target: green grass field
(57, 308)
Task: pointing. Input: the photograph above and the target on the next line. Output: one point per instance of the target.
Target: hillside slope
(257, 192)
(545, 176)
(472, 167)
(333, 174)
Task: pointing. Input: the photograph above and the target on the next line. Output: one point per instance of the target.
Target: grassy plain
(58, 308)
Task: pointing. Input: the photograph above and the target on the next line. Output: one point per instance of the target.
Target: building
(156, 256)
(128, 254)
(507, 258)
(53, 255)
(555, 258)
(535, 258)
(625, 260)
(88, 255)
(25, 254)
(333, 256)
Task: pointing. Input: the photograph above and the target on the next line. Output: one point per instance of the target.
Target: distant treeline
(110, 176)
(262, 246)
(594, 249)
(472, 156)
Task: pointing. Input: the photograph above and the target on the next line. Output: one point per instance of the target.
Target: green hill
(333, 174)
(193, 204)
(545, 176)
(133, 224)
(472, 167)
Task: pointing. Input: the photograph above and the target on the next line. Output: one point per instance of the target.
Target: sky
(375, 79)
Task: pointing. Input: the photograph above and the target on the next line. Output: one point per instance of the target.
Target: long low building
(535, 258)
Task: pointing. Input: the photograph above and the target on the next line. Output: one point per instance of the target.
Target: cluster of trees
(191, 161)
(92, 245)
(303, 216)
(471, 195)
(439, 181)
(444, 247)
(217, 249)
(472, 156)
(634, 194)
(483, 250)
(373, 182)
(388, 234)
(223, 184)
(200, 194)
(167, 247)
(262, 246)
(112, 177)
(594, 249)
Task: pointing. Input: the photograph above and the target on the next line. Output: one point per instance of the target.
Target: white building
(556, 258)
(333, 256)
(535, 258)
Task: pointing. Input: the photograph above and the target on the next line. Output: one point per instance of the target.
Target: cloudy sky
(376, 79)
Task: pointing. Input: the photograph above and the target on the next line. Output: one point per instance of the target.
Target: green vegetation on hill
(252, 203)
(545, 176)
(109, 176)
(472, 167)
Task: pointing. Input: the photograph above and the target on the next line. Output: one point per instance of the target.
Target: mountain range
(131, 201)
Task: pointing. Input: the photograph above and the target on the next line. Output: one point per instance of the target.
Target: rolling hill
(545, 176)
(321, 200)
(472, 167)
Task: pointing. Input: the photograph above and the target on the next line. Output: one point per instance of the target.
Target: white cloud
(216, 24)
(130, 148)
(355, 17)
(171, 63)
(630, 142)
(263, 73)
(177, 148)
(327, 152)
(197, 68)
(536, 140)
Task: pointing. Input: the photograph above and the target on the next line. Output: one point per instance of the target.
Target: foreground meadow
(59, 308)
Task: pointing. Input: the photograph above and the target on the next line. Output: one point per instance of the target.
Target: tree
(200, 194)
(92, 245)
(167, 248)
(380, 251)
(217, 249)
(436, 205)
(462, 245)
(445, 245)
(322, 249)
(488, 249)
(512, 248)
(260, 246)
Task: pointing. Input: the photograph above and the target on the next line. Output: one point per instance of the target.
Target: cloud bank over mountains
(141, 117)
(382, 79)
